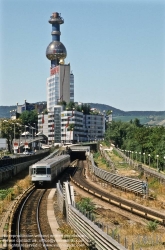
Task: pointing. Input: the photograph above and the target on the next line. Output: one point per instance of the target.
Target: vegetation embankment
(10, 190)
(144, 234)
(83, 204)
(156, 188)
(145, 143)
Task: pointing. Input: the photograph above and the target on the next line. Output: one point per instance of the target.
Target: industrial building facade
(71, 126)
(58, 124)
(60, 86)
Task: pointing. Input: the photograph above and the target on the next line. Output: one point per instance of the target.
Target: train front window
(40, 170)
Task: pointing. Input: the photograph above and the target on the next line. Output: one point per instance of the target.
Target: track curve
(33, 230)
(79, 179)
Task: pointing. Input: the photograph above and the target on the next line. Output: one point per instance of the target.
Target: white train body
(44, 171)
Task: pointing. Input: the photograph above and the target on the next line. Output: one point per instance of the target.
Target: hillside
(117, 112)
(5, 111)
(105, 107)
(151, 118)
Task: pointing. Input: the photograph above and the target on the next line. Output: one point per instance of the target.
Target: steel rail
(19, 218)
(38, 223)
(37, 219)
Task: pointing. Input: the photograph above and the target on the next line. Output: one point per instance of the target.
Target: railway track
(29, 222)
(142, 211)
(33, 230)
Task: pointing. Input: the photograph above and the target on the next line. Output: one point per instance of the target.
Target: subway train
(43, 172)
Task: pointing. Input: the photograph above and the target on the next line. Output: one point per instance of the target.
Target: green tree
(85, 108)
(71, 127)
(136, 122)
(10, 129)
(63, 103)
(70, 106)
(135, 137)
(109, 112)
(29, 117)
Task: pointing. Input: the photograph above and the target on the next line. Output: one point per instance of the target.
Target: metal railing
(83, 226)
(123, 182)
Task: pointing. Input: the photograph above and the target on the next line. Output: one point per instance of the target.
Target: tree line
(146, 140)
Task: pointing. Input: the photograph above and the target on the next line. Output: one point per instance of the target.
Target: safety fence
(82, 222)
(142, 167)
(126, 183)
(107, 158)
(95, 233)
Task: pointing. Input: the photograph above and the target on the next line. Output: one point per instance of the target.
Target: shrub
(86, 204)
(96, 155)
(152, 225)
(114, 233)
(4, 193)
(141, 175)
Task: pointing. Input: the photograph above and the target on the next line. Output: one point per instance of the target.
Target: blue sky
(116, 50)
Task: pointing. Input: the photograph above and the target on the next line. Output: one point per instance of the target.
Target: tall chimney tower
(56, 51)
(59, 84)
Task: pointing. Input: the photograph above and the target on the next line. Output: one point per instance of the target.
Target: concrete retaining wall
(8, 172)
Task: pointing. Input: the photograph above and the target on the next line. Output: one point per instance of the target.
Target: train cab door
(49, 173)
(34, 171)
(30, 170)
